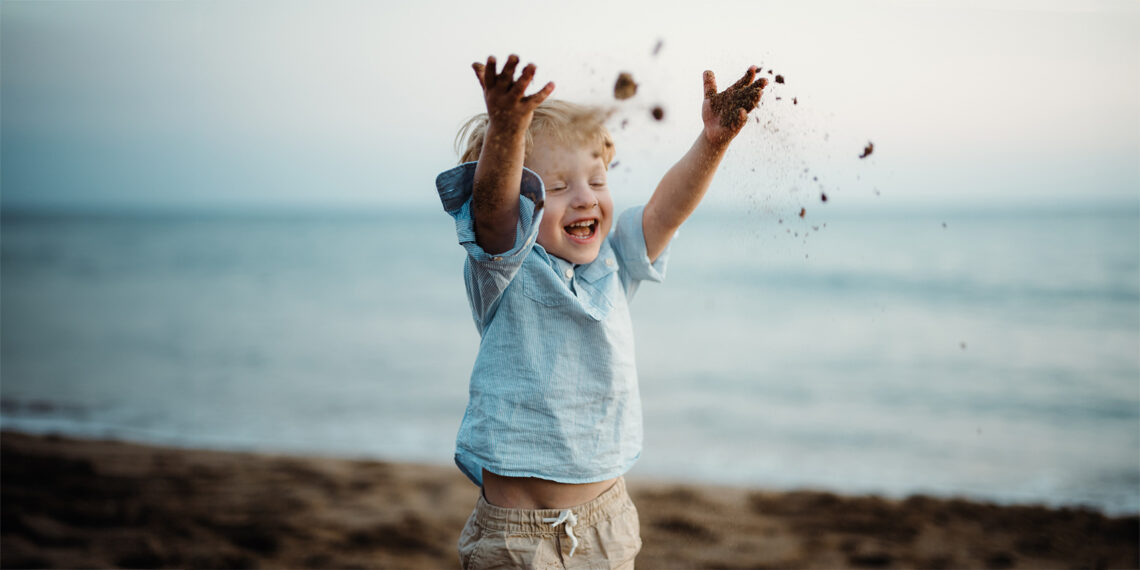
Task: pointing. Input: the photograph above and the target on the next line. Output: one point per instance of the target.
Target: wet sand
(80, 504)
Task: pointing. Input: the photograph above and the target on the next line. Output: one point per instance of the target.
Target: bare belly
(532, 493)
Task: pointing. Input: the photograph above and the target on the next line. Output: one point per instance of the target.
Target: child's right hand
(508, 106)
(495, 188)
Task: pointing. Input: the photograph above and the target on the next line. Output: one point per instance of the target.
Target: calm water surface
(993, 356)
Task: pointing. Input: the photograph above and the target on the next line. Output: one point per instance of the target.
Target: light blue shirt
(553, 393)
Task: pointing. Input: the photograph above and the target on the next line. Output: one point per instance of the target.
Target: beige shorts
(605, 533)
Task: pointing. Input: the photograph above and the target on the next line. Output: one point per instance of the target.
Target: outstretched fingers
(753, 92)
(710, 84)
(489, 77)
(504, 94)
(537, 98)
(746, 80)
(479, 70)
(524, 79)
(508, 73)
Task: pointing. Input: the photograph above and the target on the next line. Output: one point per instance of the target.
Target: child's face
(578, 210)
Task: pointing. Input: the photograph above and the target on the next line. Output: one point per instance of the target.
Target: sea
(988, 354)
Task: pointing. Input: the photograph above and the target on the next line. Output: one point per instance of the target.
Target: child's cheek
(547, 232)
(606, 227)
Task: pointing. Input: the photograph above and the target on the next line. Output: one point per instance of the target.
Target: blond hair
(568, 123)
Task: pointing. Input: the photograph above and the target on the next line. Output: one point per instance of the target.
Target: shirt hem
(504, 472)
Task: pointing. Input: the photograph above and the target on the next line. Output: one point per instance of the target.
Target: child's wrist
(715, 143)
(505, 133)
(507, 125)
(503, 144)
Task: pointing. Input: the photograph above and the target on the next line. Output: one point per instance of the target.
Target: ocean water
(990, 355)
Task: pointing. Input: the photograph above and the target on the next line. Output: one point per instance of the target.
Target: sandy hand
(726, 112)
(506, 98)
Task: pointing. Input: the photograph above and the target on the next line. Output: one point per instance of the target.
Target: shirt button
(569, 273)
(496, 258)
(609, 262)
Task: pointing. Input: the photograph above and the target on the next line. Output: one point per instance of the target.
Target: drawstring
(570, 519)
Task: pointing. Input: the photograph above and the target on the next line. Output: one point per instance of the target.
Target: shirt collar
(603, 265)
(563, 268)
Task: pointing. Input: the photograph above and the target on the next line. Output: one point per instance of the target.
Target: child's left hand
(725, 113)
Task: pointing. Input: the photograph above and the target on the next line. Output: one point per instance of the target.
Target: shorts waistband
(613, 501)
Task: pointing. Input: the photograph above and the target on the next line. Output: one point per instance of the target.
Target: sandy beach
(81, 504)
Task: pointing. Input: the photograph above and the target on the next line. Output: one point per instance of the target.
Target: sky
(279, 105)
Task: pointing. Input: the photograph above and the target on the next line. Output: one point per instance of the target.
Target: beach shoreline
(91, 503)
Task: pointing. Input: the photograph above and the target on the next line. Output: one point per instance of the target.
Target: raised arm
(680, 191)
(495, 200)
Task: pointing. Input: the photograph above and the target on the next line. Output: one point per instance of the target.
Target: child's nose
(584, 197)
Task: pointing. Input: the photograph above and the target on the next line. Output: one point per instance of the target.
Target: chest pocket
(539, 283)
(598, 296)
(597, 290)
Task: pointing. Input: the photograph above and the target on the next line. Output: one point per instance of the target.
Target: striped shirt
(553, 392)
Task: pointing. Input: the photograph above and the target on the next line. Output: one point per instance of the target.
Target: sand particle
(867, 150)
(625, 87)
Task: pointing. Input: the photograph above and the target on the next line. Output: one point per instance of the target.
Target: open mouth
(582, 230)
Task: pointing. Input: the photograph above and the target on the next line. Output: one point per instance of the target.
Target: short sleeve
(629, 244)
(488, 274)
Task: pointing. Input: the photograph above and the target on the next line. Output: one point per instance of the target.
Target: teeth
(582, 224)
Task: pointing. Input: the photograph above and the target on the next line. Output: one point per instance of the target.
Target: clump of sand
(867, 150)
(625, 87)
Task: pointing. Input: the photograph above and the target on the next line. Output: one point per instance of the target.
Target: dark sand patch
(76, 503)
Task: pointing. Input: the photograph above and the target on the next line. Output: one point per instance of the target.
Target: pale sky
(356, 104)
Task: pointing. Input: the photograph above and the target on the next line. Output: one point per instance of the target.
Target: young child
(554, 416)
